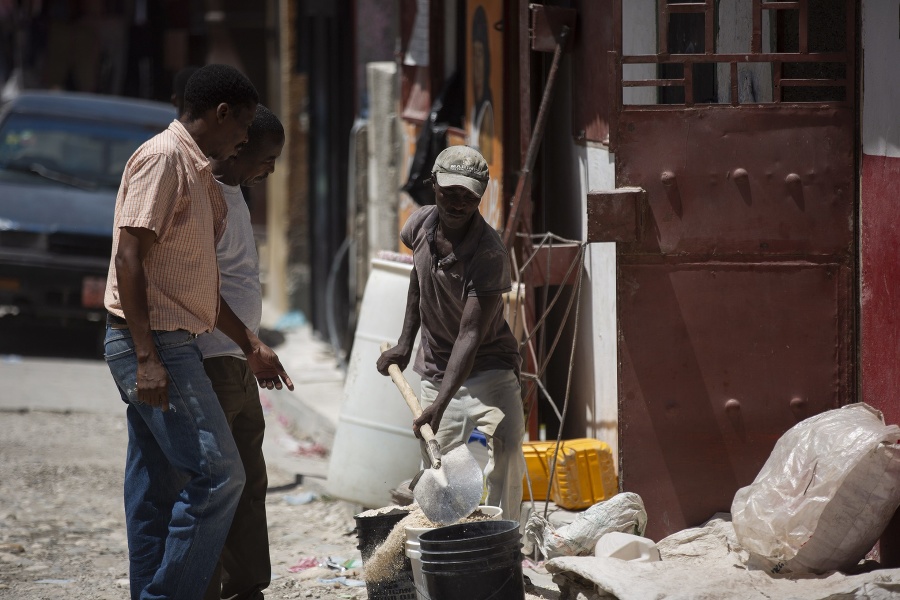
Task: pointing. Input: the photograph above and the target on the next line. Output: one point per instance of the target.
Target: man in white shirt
(244, 568)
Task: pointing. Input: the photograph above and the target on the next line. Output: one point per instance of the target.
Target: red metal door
(736, 299)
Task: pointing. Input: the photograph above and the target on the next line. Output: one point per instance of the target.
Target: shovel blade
(453, 491)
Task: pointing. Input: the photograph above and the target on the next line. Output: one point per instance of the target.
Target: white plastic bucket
(415, 559)
(415, 556)
(374, 447)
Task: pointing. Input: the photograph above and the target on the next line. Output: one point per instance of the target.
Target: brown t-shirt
(479, 267)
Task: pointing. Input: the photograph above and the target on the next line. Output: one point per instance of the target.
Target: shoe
(528, 585)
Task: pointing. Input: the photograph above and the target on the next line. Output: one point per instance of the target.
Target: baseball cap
(461, 166)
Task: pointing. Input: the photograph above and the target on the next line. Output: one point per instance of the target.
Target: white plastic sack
(623, 512)
(825, 494)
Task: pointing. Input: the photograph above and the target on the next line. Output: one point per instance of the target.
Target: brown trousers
(244, 569)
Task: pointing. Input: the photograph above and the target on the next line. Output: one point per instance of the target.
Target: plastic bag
(446, 111)
(623, 512)
(825, 494)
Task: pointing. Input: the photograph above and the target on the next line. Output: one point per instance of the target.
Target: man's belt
(115, 321)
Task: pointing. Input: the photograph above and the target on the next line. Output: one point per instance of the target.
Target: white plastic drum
(374, 448)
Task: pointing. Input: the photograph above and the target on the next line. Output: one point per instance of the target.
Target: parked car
(61, 161)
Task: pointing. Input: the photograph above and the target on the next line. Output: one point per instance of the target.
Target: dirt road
(62, 532)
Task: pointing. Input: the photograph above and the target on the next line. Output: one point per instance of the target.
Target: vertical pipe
(525, 108)
(524, 75)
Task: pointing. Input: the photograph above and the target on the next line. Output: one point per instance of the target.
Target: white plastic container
(477, 445)
(415, 556)
(374, 447)
(626, 546)
(415, 559)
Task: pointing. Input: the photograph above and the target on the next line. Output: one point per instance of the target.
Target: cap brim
(453, 180)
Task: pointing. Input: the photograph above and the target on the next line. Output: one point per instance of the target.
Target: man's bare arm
(152, 380)
(476, 319)
(261, 359)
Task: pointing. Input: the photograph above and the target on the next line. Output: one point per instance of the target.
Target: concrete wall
(598, 174)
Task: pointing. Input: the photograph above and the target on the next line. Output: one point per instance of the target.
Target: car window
(68, 151)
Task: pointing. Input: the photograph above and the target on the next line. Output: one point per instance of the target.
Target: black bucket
(473, 561)
(371, 532)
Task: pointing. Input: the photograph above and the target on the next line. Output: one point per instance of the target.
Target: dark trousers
(244, 568)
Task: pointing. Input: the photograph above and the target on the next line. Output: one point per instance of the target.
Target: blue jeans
(183, 473)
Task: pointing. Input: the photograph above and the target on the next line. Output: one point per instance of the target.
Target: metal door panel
(747, 181)
(716, 365)
(735, 297)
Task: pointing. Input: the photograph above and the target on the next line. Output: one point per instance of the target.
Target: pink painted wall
(880, 286)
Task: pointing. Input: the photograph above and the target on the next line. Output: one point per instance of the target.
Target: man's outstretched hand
(267, 369)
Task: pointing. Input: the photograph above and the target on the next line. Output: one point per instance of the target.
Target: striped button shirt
(168, 188)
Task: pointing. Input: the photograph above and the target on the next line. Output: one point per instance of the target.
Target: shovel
(451, 489)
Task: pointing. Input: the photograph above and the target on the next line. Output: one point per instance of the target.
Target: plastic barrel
(371, 532)
(373, 413)
(473, 561)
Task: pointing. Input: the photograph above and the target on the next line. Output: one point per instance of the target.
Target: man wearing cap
(468, 358)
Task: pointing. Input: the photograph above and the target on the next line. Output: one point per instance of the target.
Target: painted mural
(484, 97)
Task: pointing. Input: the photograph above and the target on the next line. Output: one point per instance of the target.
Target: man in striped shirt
(183, 475)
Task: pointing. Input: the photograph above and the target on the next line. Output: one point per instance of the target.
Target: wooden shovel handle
(412, 401)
